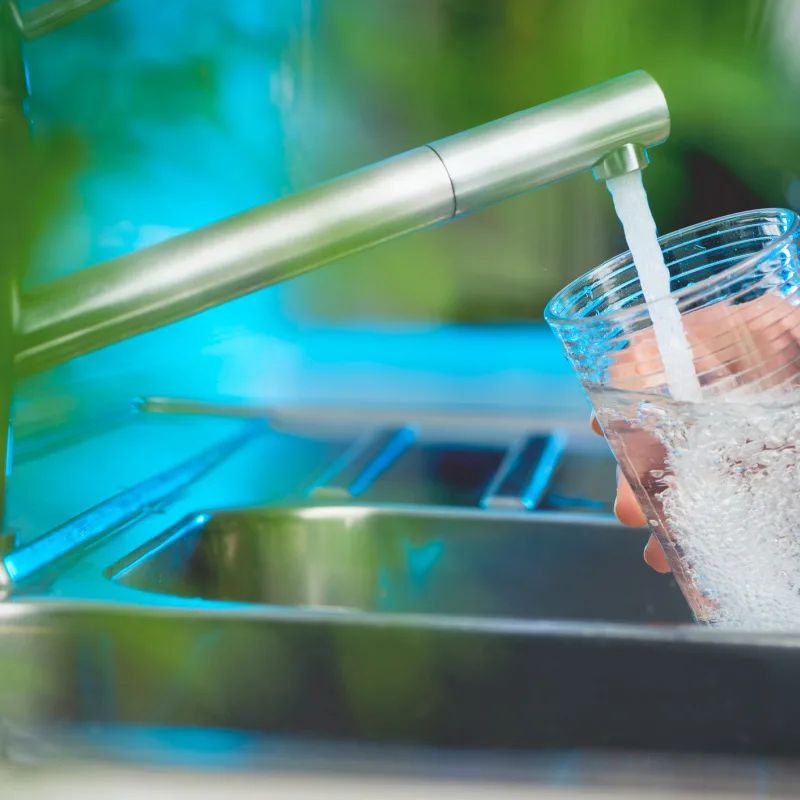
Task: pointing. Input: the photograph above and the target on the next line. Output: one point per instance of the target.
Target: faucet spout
(607, 128)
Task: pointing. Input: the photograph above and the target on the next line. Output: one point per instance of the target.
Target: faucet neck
(13, 73)
(14, 135)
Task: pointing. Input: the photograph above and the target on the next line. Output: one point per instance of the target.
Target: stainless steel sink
(133, 677)
(491, 623)
(401, 560)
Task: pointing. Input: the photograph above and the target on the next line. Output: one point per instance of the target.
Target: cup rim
(707, 283)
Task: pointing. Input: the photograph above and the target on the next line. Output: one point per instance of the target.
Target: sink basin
(389, 560)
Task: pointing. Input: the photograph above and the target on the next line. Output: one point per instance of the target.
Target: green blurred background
(403, 72)
(346, 82)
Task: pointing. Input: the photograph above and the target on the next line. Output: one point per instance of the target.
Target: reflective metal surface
(357, 558)
(115, 512)
(431, 476)
(396, 679)
(445, 627)
(363, 462)
(249, 768)
(187, 274)
(553, 141)
(51, 15)
(525, 474)
(626, 159)
(190, 273)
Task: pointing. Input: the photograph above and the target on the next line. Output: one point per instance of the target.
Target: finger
(627, 507)
(654, 556)
(629, 513)
(637, 367)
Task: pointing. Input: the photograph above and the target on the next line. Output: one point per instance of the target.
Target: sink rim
(417, 510)
(25, 611)
(309, 510)
(299, 510)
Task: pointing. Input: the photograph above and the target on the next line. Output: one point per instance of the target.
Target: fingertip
(654, 556)
(626, 506)
(596, 425)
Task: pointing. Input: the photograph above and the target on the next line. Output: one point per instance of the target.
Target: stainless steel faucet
(607, 128)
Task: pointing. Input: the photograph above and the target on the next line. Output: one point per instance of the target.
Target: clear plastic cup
(718, 480)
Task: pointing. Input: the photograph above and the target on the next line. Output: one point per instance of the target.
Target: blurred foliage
(142, 104)
(35, 179)
(409, 71)
(452, 64)
(38, 179)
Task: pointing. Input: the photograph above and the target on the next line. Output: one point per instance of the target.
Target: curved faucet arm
(51, 15)
(606, 128)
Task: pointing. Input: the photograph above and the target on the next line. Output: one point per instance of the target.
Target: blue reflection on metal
(9, 449)
(550, 458)
(96, 688)
(204, 749)
(187, 534)
(402, 440)
(118, 511)
(421, 560)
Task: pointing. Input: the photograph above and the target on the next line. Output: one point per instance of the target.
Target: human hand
(755, 343)
(628, 512)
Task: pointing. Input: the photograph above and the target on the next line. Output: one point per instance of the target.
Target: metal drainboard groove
(32, 442)
(110, 515)
(524, 475)
(361, 465)
(373, 469)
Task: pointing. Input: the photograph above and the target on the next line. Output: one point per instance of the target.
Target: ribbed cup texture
(735, 281)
